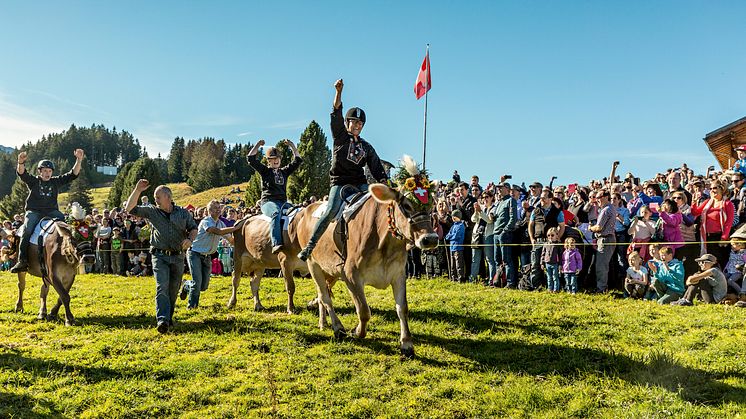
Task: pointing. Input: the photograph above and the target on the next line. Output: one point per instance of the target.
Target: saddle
(350, 205)
(287, 216)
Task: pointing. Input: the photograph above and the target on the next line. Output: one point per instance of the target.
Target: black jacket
(274, 181)
(349, 156)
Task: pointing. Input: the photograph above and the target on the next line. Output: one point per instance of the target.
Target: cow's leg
(54, 312)
(325, 302)
(21, 288)
(357, 291)
(43, 301)
(402, 310)
(57, 283)
(256, 280)
(237, 271)
(287, 273)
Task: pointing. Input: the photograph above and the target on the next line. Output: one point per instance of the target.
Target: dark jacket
(42, 196)
(542, 223)
(350, 156)
(274, 181)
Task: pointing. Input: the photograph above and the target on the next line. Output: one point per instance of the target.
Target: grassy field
(183, 195)
(480, 353)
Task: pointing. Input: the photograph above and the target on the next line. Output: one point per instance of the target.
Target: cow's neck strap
(393, 229)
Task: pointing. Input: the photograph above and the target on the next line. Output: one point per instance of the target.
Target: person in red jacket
(717, 214)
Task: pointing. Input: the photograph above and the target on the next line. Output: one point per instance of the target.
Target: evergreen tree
(253, 190)
(206, 170)
(176, 161)
(117, 188)
(15, 203)
(143, 168)
(191, 145)
(312, 177)
(7, 172)
(80, 192)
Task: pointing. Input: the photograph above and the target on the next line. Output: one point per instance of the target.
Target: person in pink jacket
(572, 263)
(671, 219)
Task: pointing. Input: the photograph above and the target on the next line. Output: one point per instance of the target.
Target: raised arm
(254, 150)
(21, 167)
(79, 155)
(338, 85)
(131, 203)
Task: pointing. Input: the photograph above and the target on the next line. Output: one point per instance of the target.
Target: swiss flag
(423, 83)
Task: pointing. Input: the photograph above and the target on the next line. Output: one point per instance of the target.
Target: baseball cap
(707, 258)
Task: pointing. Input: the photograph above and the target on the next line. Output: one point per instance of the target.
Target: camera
(508, 177)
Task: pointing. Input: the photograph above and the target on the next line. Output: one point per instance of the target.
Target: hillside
(4, 149)
(183, 194)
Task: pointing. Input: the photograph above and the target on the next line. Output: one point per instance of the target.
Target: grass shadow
(22, 406)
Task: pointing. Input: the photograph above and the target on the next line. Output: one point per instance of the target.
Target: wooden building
(722, 141)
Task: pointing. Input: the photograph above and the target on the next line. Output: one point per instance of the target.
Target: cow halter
(394, 229)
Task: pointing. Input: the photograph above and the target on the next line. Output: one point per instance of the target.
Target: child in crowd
(572, 263)
(636, 283)
(455, 237)
(709, 283)
(642, 230)
(551, 256)
(139, 267)
(733, 268)
(116, 249)
(667, 276)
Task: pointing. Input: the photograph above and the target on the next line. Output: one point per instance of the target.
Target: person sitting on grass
(636, 283)
(709, 283)
(455, 237)
(735, 263)
(667, 276)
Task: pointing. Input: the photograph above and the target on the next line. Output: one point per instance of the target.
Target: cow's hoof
(355, 333)
(340, 334)
(19, 308)
(313, 305)
(71, 322)
(231, 304)
(407, 353)
(52, 318)
(259, 307)
(41, 317)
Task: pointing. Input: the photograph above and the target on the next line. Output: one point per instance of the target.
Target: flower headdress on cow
(415, 184)
(80, 228)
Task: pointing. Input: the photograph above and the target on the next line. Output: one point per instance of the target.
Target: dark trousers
(703, 289)
(457, 266)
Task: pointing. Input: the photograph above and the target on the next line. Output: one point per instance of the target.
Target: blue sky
(533, 89)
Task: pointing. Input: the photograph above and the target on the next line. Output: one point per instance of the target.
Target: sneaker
(682, 302)
(21, 266)
(741, 304)
(183, 294)
(162, 327)
(276, 249)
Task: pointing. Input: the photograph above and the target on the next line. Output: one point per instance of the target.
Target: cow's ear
(383, 193)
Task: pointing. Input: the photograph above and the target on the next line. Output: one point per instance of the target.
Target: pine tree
(115, 193)
(176, 161)
(312, 177)
(14, 203)
(143, 168)
(80, 191)
(253, 190)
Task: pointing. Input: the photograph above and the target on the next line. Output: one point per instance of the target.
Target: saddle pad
(37, 231)
(286, 219)
(344, 210)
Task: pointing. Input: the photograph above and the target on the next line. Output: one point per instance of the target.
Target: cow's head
(410, 205)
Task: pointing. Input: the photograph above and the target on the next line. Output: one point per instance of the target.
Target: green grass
(480, 353)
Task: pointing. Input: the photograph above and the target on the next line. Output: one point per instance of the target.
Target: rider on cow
(274, 185)
(42, 198)
(351, 153)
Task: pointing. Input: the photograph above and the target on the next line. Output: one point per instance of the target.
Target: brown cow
(253, 254)
(374, 256)
(64, 251)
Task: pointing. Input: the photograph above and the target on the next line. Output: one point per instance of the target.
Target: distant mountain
(4, 149)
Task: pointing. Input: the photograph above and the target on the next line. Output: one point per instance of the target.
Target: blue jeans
(572, 282)
(553, 280)
(168, 272)
(503, 254)
(274, 210)
(332, 207)
(31, 220)
(200, 266)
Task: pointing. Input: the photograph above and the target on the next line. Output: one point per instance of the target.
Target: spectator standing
(572, 264)
(690, 250)
(455, 237)
(504, 216)
(551, 258)
(642, 229)
(716, 214)
(543, 217)
(103, 251)
(605, 239)
(481, 213)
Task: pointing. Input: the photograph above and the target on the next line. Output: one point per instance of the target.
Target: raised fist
(79, 154)
(339, 85)
(142, 184)
(22, 157)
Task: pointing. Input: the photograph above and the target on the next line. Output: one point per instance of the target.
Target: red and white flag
(423, 83)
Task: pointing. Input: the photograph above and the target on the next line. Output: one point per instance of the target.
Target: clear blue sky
(529, 88)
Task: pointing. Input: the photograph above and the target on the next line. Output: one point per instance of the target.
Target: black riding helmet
(45, 164)
(355, 113)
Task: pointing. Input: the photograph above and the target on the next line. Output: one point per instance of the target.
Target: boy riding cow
(42, 198)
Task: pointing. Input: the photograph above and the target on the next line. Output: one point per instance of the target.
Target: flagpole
(424, 134)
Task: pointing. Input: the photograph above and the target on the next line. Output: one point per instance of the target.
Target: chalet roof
(723, 140)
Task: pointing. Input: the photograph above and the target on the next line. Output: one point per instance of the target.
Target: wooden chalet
(722, 141)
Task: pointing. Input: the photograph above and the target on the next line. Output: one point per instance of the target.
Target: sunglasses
(678, 197)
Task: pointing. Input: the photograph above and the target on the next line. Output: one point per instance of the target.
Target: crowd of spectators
(656, 238)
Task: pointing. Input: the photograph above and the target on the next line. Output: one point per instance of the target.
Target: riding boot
(22, 265)
(306, 252)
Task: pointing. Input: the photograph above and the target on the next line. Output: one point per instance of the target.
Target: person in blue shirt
(455, 237)
(740, 164)
(667, 276)
(209, 232)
